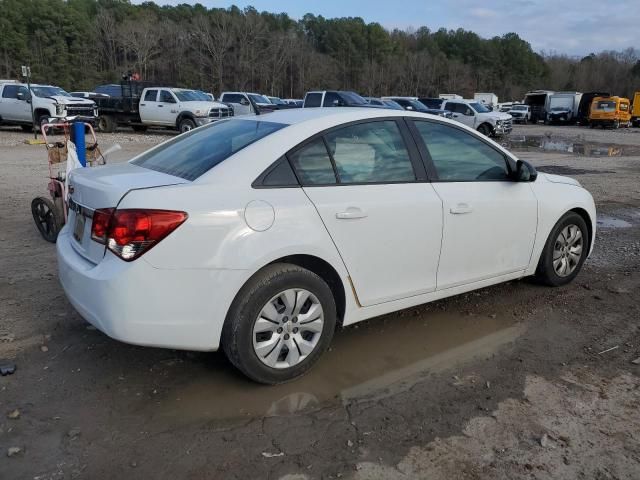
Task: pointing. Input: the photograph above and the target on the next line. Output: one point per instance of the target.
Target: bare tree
(141, 38)
(215, 34)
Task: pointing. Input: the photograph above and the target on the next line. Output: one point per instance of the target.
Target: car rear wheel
(280, 323)
(565, 251)
(106, 124)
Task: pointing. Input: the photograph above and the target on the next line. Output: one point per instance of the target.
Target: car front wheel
(280, 323)
(565, 251)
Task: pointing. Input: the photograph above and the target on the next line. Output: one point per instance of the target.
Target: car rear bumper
(137, 303)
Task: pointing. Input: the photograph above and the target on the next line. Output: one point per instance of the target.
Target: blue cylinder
(79, 141)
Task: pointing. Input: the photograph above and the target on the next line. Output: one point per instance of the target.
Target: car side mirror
(525, 172)
(244, 102)
(22, 97)
(409, 107)
(468, 112)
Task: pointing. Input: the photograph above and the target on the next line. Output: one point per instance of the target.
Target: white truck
(50, 105)
(538, 101)
(487, 99)
(450, 96)
(563, 107)
(477, 116)
(245, 103)
(141, 107)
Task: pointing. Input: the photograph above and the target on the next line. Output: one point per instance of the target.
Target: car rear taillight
(131, 232)
(100, 225)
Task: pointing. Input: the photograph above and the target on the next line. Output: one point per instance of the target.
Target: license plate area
(78, 228)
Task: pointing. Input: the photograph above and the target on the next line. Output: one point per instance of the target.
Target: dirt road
(509, 382)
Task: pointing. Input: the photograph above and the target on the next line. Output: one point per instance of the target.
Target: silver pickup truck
(50, 105)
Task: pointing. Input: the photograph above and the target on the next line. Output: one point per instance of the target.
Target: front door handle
(160, 106)
(351, 213)
(461, 209)
(143, 104)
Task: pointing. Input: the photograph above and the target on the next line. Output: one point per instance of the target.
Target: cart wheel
(47, 218)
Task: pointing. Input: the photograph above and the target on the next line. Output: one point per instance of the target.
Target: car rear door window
(10, 91)
(150, 96)
(372, 152)
(313, 100)
(313, 164)
(459, 156)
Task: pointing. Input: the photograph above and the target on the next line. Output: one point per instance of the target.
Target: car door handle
(461, 209)
(351, 213)
(143, 104)
(455, 115)
(160, 106)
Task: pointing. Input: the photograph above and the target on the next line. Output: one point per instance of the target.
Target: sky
(574, 27)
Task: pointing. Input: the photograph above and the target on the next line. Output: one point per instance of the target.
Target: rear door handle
(143, 104)
(461, 209)
(160, 106)
(351, 213)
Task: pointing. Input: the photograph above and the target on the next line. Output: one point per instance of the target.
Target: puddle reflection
(377, 358)
(564, 145)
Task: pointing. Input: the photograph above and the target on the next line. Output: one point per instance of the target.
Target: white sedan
(261, 234)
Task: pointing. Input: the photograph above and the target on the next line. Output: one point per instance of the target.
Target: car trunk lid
(91, 189)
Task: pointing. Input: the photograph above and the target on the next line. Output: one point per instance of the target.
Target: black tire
(186, 124)
(546, 272)
(139, 128)
(485, 130)
(592, 125)
(237, 334)
(616, 124)
(106, 124)
(41, 119)
(48, 218)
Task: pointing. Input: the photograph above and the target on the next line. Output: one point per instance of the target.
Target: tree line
(78, 44)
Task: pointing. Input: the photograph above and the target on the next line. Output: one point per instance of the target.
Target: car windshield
(44, 92)
(259, 98)
(417, 106)
(478, 107)
(559, 109)
(353, 98)
(187, 95)
(190, 155)
(606, 106)
(277, 101)
(518, 107)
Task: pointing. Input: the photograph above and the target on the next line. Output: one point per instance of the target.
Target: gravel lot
(510, 382)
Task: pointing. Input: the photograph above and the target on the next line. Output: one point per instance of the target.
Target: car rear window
(191, 154)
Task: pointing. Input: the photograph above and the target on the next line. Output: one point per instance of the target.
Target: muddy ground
(509, 382)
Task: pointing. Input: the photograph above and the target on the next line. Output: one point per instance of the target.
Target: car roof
(295, 116)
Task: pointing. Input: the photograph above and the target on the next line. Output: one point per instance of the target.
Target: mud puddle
(536, 143)
(377, 358)
(606, 221)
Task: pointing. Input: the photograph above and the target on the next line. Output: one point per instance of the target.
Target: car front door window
(458, 156)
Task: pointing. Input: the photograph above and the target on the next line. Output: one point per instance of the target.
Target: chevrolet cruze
(260, 235)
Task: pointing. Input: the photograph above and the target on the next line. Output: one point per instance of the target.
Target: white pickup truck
(50, 105)
(244, 103)
(477, 116)
(176, 108)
